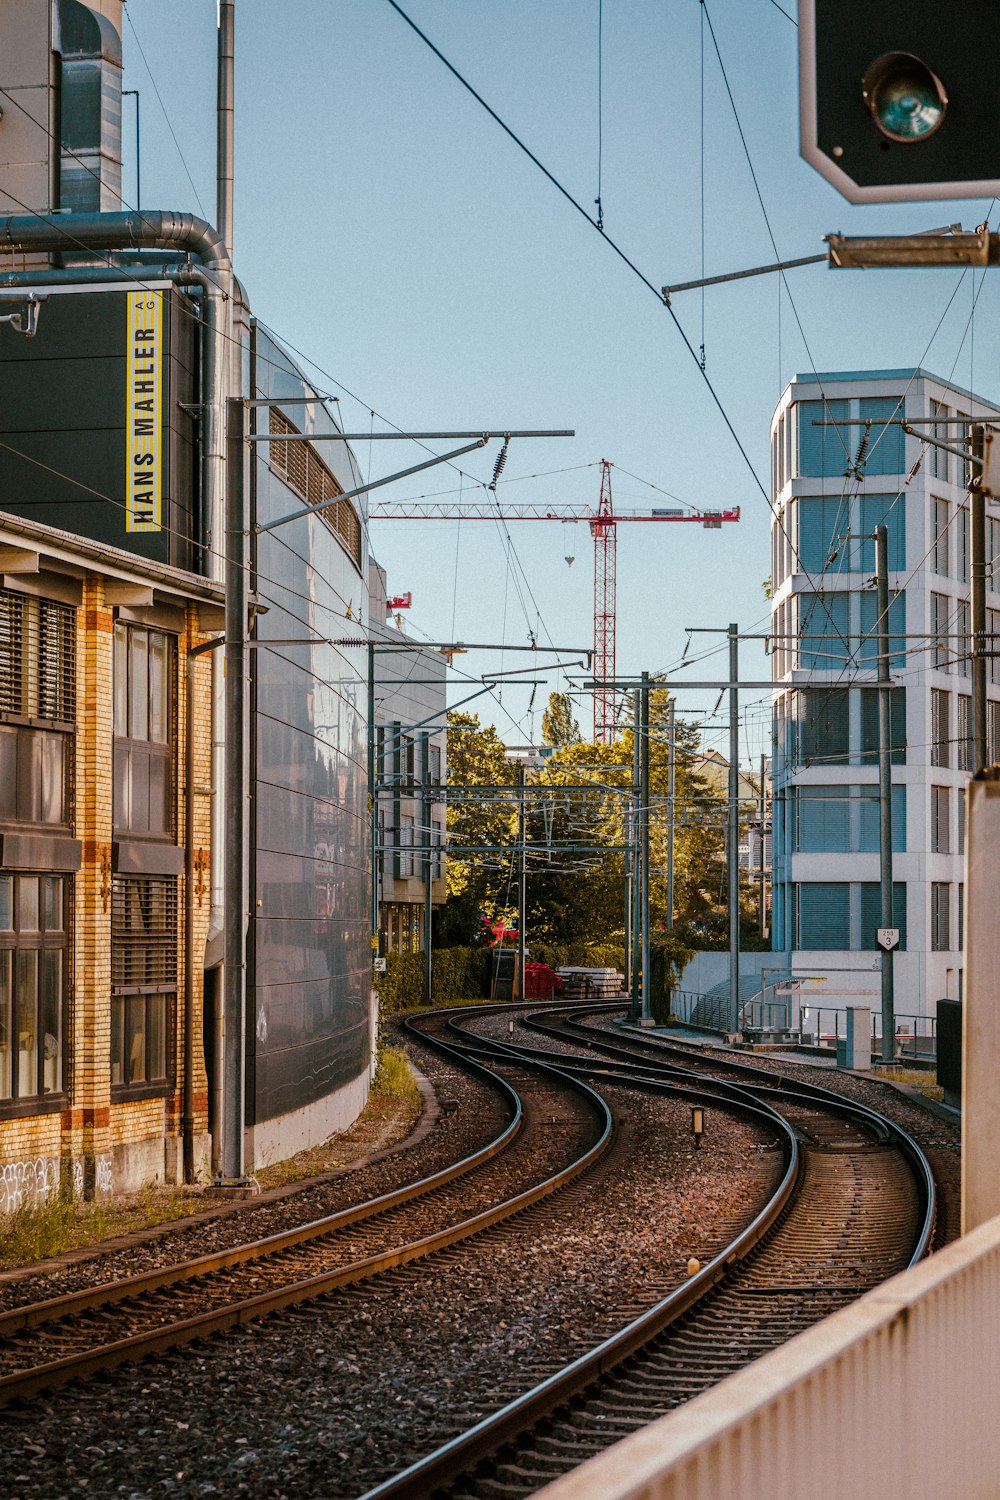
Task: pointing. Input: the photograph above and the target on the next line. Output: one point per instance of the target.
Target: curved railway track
(559, 1127)
(855, 1206)
(813, 1246)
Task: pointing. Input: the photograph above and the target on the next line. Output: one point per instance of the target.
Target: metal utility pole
(646, 1014)
(671, 780)
(763, 862)
(885, 786)
(425, 818)
(635, 1008)
(236, 883)
(734, 829)
(977, 548)
(375, 773)
(522, 879)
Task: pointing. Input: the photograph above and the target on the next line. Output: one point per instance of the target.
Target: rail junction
(800, 1200)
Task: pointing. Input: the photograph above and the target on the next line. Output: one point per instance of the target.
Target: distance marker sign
(888, 938)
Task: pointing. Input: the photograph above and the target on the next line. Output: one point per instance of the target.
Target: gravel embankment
(324, 1401)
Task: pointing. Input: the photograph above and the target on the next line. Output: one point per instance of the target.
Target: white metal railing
(818, 1025)
(892, 1398)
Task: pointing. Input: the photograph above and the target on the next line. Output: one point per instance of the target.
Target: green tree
(558, 724)
(484, 820)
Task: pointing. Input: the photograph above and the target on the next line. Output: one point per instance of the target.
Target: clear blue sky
(387, 227)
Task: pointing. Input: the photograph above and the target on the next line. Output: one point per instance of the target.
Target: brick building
(96, 879)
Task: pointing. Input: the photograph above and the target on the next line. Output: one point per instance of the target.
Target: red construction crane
(603, 525)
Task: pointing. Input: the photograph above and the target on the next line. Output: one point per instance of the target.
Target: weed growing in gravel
(393, 1076)
(39, 1228)
(926, 1082)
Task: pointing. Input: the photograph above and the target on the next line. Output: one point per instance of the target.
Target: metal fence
(817, 1025)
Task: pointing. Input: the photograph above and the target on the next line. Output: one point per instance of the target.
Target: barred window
(37, 658)
(143, 978)
(302, 468)
(33, 967)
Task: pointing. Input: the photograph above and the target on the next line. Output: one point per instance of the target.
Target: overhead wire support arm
(481, 439)
(779, 265)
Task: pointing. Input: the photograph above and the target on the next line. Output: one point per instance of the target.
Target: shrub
(457, 974)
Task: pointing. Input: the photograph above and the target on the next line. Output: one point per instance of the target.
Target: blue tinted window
(881, 510)
(823, 522)
(871, 913)
(823, 450)
(824, 630)
(884, 453)
(822, 824)
(868, 651)
(823, 915)
(868, 819)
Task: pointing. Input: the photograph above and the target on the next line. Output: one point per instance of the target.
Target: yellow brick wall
(92, 1132)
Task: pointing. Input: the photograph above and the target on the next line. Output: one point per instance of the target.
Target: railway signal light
(900, 99)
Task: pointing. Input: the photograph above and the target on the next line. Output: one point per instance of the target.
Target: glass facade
(310, 955)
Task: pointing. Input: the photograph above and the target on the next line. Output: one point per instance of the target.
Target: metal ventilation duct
(90, 49)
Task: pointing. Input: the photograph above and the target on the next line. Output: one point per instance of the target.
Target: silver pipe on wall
(226, 98)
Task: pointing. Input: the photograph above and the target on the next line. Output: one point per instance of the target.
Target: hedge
(456, 974)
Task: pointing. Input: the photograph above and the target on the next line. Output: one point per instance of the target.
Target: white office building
(841, 465)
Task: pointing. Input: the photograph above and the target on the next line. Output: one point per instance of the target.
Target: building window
(871, 914)
(404, 856)
(940, 738)
(305, 472)
(871, 626)
(992, 646)
(822, 530)
(823, 915)
(939, 515)
(962, 544)
(887, 511)
(826, 449)
(33, 977)
(435, 769)
(960, 934)
(940, 916)
(145, 686)
(940, 625)
(963, 734)
(992, 732)
(38, 685)
(885, 453)
(962, 656)
(37, 658)
(940, 820)
(940, 457)
(868, 750)
(824, 630)
(143, 980)
(823, 724)
(960, 841)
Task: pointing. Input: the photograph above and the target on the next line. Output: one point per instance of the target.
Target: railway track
(558, 1128)
(855, 1207)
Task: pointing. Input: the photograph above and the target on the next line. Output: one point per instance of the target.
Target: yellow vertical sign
(143, 412)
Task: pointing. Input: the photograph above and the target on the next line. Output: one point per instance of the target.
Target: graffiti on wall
(37, 1180)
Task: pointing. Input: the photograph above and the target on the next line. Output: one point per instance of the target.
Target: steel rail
(33, 1314)
(778, 1085)
(462, 1453)
(27, 1382)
